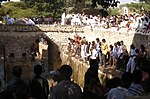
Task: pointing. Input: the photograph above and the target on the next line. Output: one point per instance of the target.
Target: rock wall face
(16, 44)
(61, 38)
(19, 42)
(79, 68)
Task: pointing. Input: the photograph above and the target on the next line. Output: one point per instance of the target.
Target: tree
(2, 0)
(34, 8)
(47, 8)
(113, 12)
(18, 10)
(105, 3)
(2, 11)
(138, 7)
(146, 1)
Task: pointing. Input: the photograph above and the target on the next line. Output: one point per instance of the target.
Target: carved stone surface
(21, 42)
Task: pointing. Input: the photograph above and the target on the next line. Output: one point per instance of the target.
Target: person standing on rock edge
(104, 48)
(98, 49)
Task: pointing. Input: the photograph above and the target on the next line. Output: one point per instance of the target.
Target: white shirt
(93, 54)
(132, 52)
(30, 22)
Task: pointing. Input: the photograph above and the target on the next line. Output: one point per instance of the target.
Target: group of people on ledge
(115, 55)
(130, 21)
(126, 87)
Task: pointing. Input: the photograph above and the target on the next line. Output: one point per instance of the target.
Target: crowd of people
(17, 88)
(135, 80)
(107, 55)
(38, 86)
(131, 21)
(128, 86)
(17, 21)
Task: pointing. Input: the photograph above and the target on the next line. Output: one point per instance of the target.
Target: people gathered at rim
(114, 55)
(129, 21)
(133, 65)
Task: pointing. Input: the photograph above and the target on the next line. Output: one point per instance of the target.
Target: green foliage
(18, 10)
(146, 1)
(146, 7)
(53, 8)
(34, 8)
(47, 8)
(139, 7)
(23, 13)
(3, 10)
(113, 12)
(20, 5)
(105, 3)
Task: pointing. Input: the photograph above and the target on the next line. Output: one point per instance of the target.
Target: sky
(127, 1)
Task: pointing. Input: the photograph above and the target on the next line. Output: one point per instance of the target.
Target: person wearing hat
(66, 89)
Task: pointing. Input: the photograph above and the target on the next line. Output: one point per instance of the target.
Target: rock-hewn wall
(20, 42)
(79, 68)
(111, 37)
(17, 43)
